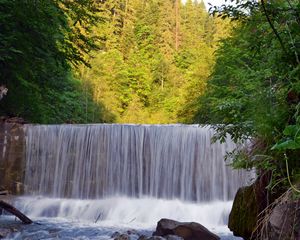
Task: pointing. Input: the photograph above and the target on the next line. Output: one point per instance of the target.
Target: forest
(106, 61)
(253, 93)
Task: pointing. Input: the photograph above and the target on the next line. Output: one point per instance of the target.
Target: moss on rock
(248, 203)
(243, 216)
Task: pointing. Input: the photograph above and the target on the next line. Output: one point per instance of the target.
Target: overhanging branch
(272, 26)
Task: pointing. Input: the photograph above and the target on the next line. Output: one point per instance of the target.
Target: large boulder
(185, 230)
(284, 221)
(248, 203)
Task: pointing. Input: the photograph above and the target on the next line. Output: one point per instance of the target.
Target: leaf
(15, 50)
(292, 130)
(285, 145)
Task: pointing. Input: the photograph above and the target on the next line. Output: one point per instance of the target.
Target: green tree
(41, 41)
(254, 89)
(156, 56)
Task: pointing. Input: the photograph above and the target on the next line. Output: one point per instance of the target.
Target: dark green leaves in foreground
(291, 139)
(254, 91)
(39, 42)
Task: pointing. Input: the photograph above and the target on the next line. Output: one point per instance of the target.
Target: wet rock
(248, 203)
(122, 237)
(244, 214)
(4, 232)
(156, 238)
(185, 230)
(143, 237)
(284, 221)
(115, 234)
(130, 234)
(133, 232)
(173, 237)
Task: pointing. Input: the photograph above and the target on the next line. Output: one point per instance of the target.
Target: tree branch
(272, 26)
(9, 208)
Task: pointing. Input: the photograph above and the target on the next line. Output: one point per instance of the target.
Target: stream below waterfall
(89, 181)
(100, 219)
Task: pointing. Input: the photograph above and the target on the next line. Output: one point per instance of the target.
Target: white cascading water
(129, 173)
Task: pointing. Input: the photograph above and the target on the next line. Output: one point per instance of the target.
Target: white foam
(135, 213)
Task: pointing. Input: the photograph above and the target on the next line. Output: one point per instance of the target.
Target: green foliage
(253, 93)
(95, 61)
(39, 43)
(291, 140)
(160, 63)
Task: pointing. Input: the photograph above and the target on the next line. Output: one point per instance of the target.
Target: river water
(89, 181)
(100, 219)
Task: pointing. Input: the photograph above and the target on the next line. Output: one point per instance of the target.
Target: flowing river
(89, 181)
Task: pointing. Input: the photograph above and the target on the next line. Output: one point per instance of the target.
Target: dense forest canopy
(106, 61)
(40, 43)
(155, 60)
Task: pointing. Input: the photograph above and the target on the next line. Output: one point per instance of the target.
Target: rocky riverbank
(258, 214)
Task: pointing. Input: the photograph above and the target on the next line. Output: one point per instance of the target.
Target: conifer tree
(155, 60)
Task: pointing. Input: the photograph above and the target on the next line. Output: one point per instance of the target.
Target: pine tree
(165, 29)
(155, 59)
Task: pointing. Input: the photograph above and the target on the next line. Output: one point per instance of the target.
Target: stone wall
(12, 145)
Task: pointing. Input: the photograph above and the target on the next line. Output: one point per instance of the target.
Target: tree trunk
(9, 208)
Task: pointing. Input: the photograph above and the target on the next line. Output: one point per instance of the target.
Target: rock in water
(173, 237)
(156, 238)
(4, 233)
(248, 203)
(185, 230)
(122, 237)
(244, 213)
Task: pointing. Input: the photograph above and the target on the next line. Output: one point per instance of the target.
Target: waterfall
(106, 160)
